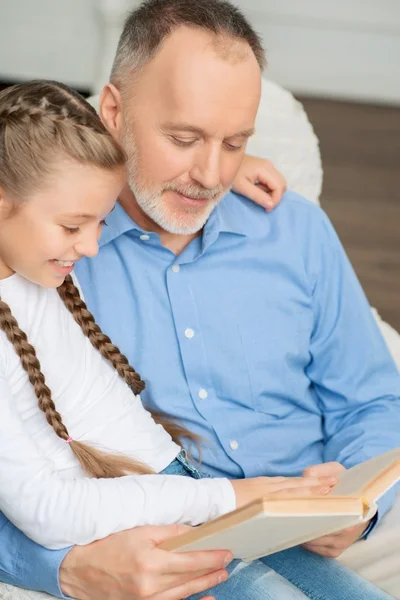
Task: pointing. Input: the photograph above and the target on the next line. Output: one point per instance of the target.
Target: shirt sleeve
(26, 564)
(57, 512)
(354, 376)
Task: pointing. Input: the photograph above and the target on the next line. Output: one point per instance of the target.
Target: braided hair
(40, 122)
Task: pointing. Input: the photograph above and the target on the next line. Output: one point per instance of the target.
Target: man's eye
(71, 230)
(233, 148)
(182, 143)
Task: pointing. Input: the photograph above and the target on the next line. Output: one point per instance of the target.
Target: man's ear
(110, 110)
(6, 208)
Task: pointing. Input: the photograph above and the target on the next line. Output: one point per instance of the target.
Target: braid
(56, 102)
(31, 365)
(69, 294)
(94, 462)
(42, 122)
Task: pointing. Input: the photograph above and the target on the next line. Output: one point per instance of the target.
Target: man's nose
(206, 170)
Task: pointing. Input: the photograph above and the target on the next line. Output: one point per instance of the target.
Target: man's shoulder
(294, 212)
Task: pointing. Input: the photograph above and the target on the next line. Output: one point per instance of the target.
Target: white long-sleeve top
(43, 489)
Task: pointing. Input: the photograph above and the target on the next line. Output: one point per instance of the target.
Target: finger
(334, 540)
(326, 469)
(257, 193)
(311, 481)
(320, 542)
(159, 534)
(196, 586)
(270, 176)
(321, 490)
(327, 551)
(275, 184)
(295, 482)
(350, 533)
(328, 480)
(273, 198)
(302, 491)
(338, 542)
(276, 195)
(322, 550)
(192, 562)
(170, 582)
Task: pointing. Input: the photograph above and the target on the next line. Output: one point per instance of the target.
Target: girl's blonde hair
(42, 122)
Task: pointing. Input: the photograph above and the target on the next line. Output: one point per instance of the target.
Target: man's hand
(332, 545)
(129, 566)
(258, 180)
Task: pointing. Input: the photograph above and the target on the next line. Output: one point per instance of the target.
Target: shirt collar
(223, 219)
(229, 218)
(118, 223)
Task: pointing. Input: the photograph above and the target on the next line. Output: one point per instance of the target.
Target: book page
(370, 479)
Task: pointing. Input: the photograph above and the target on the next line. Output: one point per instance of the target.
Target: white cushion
(285, 136)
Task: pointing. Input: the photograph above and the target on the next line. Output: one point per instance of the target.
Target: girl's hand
(258, 180)
(247, 490)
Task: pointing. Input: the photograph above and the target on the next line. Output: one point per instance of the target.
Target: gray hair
(147, 27)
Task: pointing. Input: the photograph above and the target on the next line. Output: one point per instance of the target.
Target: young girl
(79, 455)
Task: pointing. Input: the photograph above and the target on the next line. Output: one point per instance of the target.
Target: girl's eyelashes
(74, 230)
(70, 230)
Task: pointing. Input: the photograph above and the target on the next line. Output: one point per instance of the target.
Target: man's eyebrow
(182, 126)
(245, 133)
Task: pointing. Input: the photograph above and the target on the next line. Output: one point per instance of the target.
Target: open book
(270, 525)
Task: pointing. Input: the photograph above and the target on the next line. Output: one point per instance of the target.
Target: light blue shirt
(257, 336)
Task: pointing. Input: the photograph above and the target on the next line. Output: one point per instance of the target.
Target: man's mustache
(194, 191)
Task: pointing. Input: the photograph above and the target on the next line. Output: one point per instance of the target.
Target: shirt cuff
(370, 527)
(384, 505)
(228, 503)
(38, 568)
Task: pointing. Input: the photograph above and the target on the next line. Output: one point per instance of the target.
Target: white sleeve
(57, 512)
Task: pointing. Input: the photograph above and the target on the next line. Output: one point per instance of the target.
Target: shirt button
(175, 268)
(189, 333)
(203, 394)
(145, 237)
(234, 445)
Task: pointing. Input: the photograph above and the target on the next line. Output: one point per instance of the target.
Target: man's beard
(182, 221)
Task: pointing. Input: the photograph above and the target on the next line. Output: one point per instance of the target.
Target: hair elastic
(68, 440)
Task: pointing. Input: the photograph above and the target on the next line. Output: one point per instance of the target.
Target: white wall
(340, 48)
(55, 39)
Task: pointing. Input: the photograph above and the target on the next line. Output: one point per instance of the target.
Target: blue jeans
(293, 574)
